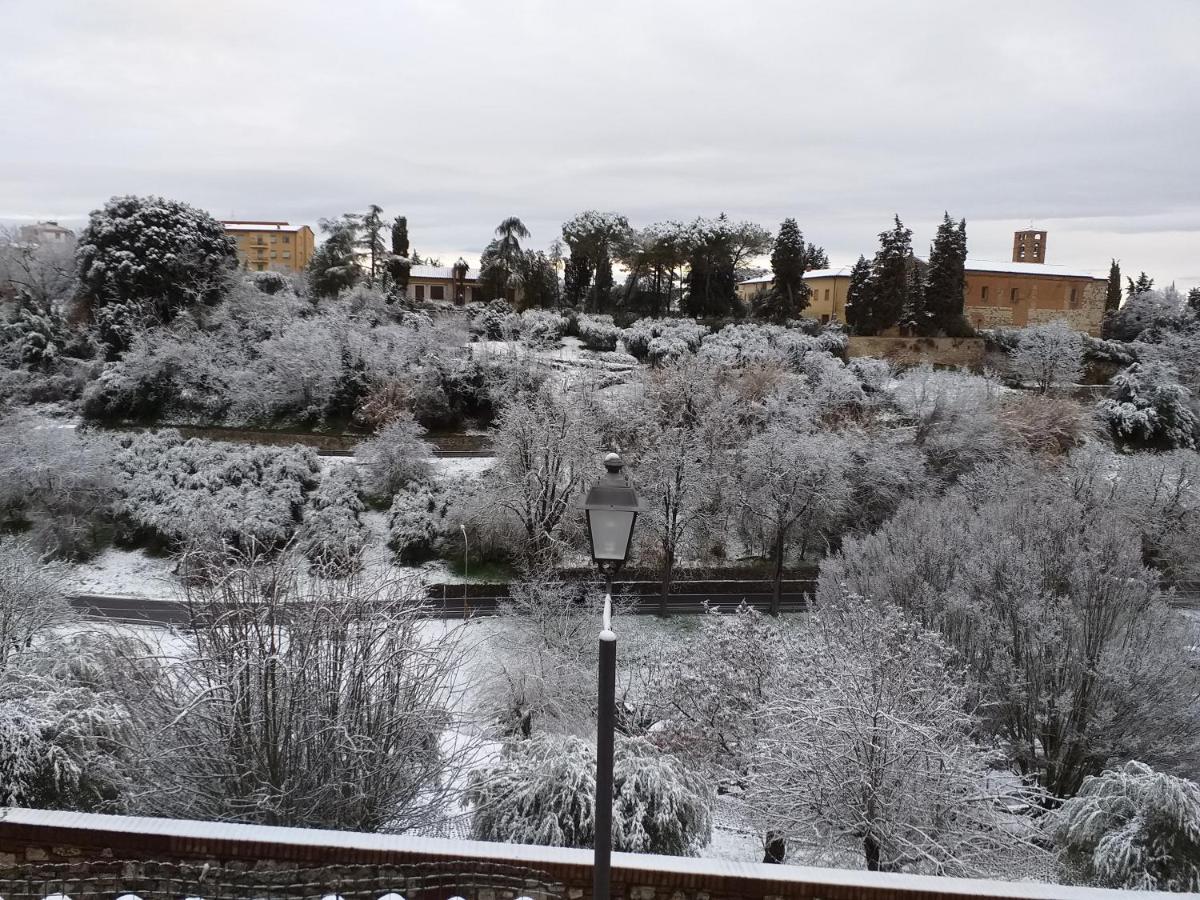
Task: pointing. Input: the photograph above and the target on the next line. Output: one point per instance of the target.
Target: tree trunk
(777, 579)
(871, 852)
(776, 847)
(665, 590)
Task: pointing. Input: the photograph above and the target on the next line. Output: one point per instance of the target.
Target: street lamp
(611, 507)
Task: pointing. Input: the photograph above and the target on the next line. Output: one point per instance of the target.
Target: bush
(333, 535)
(674, 333)
(542, 791)
(208, 496)
(394, 457)
(542, 326)
(270, 282)
(1133, 828)
(599, 333)
(417, 522)
(494, 321)
(1147, 407)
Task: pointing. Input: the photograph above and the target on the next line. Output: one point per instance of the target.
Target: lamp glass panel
(611, 529)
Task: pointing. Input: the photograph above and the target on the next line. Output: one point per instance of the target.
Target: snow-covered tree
(945, 281)
(888, 296)
(1049, 355)
(1147, 406)
(791, 486)
(859, 297)
(788, 295)
(67, 740)
(1133, 828)
(1112, 294)
(397, 455)
(712, 270)
(869, 746)
(713, 687)
(157, 253)
(370, 242)
(45, 272)
(545, 453)
(592, 238)
(305, 702)
(1149, 312)
(334, 264)
(685, 427)
(32, 602)
(543, 791)
(1075, 659)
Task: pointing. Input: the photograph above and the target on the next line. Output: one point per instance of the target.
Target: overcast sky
(1079, 117)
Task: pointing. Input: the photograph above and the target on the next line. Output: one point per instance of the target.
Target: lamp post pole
(611, 506)
(605, 709)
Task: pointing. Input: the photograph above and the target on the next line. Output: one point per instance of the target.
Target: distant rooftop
(261, 226)
(842, 272)
(446, 272)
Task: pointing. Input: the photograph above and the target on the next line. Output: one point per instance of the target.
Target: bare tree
(44, 272)
(868, 746)
(306, 703)
(544, 455)
(791, 486)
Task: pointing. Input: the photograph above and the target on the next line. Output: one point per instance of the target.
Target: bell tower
(1029, 246)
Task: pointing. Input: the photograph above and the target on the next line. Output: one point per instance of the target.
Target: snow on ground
(461, 467)
(125, 573)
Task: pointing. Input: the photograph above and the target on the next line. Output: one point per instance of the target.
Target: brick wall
(52, 851)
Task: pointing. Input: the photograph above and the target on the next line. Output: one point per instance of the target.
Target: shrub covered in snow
(676, 336)
(598, 332)
(333, 534)
(1049, 355)
(31, 599)
(1148, 407)
(542, 326)
(394, 457)
(1133, 828)
(209, 495)
(270, 282)
(1148, 314)
(543, 791)
(495, 321)
(417, 521)
(873, 374)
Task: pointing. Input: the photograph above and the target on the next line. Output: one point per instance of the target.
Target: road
(143, 611)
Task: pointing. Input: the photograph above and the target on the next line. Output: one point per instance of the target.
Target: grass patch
(487, 571)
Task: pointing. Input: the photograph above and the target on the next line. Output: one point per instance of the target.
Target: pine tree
(945, 285)
(815, 258)
(1193, 300)
(788, 297)
(711, 281)
(915, 316)
(858, 295)
(371, 240)
(334, 266)
(1112, 299)
(888, 298)
(1144, 283)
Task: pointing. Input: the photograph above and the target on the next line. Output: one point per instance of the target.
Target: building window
(826, 295)
(983, 293)
(476, 295)
(287, 238)
(273, 254)
(437, 292)
(287, 254)
(274, 239)
(419, 291)
(1074, 297)
(1013, 298)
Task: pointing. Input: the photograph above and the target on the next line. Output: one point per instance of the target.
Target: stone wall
(1086, 317)
(911, 351)
(45, 852)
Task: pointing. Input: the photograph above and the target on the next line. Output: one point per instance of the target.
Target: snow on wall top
(446, 272)
(261, 226)
(533, 855)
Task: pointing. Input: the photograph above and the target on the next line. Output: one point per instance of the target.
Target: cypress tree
(890, 278)
(788, 297)
(399, 264)
(915, 316)
(1112, 299)
(945, 285)
(858, 296)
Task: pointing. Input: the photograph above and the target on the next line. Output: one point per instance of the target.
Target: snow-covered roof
(1023, 268)
(261, 226)
(446, 272)
(843, 272)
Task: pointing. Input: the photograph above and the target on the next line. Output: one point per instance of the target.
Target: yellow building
(828, 286)
(997, 294)
(271, 246)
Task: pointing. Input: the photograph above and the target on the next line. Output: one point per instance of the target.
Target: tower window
(1074, 297)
